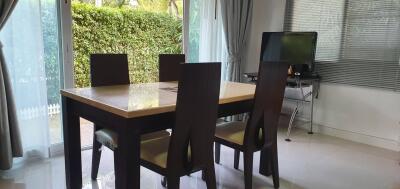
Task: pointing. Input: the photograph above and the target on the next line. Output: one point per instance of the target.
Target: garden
(142, 31)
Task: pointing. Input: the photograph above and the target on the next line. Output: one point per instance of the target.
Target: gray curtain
(236, 18)
(10, 139)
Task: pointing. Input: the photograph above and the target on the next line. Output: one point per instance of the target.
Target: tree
(99, 3)
(167, 6)
(173, 8)
(121, 3)
(133, 3)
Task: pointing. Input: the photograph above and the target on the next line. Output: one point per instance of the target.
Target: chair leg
(236, 159)
(265, 162)
(291, 124)
(217, 152)
(164, 181)
(275, 165)
(173, 182)
(248, 169)
(209, 176)
(96, 155)
(115, 164)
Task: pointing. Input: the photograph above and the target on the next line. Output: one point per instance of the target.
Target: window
(358, 40)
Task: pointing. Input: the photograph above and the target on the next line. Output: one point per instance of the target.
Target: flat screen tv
(296, 48)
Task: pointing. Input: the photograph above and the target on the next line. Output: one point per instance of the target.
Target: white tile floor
(310, 161)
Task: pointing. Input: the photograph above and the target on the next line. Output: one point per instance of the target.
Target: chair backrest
(196, 116)
(267, 105)
(169, 66)
(109, 69)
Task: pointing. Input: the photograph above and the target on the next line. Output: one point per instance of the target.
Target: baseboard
(353, 136)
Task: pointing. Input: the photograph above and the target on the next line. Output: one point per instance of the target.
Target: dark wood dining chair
(105, 70)
(190, 147)
(260, 131)
(169, 66)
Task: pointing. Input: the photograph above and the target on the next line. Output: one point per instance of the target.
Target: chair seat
(233, 132)
(109, 138)
(156, 151)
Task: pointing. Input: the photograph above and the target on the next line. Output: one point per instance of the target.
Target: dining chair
(260, 130)
(106, 70)
(190, 147)
(169, 69)
(169, 66)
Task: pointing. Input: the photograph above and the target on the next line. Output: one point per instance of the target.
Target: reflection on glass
(143, 96)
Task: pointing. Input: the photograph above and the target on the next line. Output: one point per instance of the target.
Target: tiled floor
(310, 161)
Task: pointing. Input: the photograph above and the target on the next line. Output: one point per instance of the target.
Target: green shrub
(141, 35)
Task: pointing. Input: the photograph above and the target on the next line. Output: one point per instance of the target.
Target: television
(295, 48)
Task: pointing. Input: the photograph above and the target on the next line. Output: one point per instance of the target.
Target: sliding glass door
(206, 39)
(40, 64)
(31, 43)
(53, 65)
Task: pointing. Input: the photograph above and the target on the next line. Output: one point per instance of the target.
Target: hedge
(142, 35)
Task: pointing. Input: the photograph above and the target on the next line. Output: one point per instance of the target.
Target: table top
(138, 100)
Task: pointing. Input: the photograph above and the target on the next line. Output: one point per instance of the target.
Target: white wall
(370, 116)
(365, 115)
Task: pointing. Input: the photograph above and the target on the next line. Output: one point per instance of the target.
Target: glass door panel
(53, 66)
(31, 46)
(206, 41)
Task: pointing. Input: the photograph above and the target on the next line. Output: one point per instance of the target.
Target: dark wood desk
(133, 110)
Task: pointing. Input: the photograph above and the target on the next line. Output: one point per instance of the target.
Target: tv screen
(292, 47)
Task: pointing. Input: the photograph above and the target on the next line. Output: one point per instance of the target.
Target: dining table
(131, 111)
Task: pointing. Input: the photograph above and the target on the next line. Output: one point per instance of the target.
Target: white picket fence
(53, 109)
(34, 112)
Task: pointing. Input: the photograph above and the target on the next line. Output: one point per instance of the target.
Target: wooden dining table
(130, 111)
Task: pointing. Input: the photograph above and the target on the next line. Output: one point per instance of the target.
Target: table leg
(72, 145)
(265, 163)
(127, 160)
